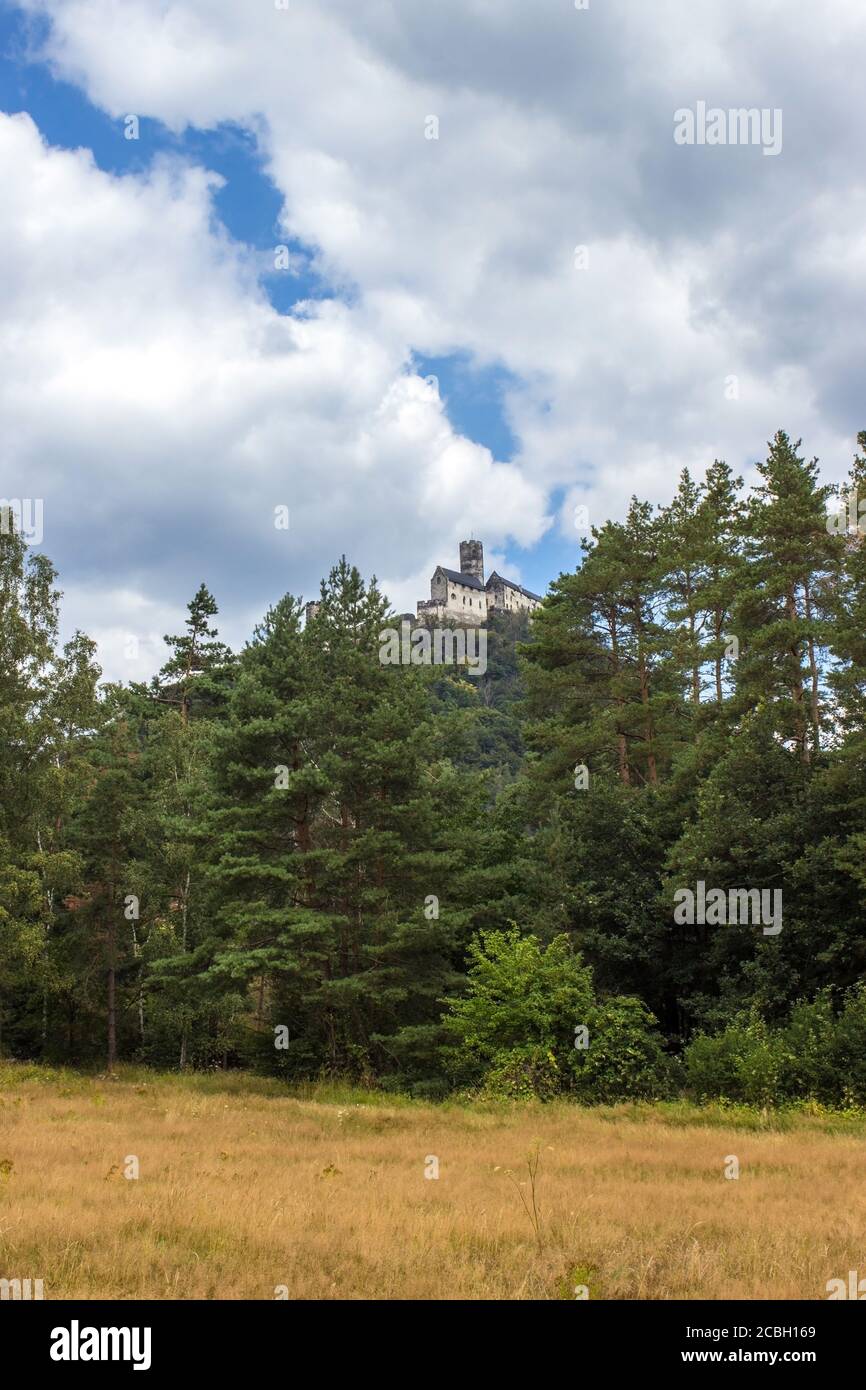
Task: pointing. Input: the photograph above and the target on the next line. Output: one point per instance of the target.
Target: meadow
(246, 1190)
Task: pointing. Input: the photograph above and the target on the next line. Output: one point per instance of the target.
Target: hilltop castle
(463, 596)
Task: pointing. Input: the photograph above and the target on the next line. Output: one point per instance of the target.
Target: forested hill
(302, 859)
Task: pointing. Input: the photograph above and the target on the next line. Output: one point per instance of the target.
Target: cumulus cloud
(163, 410)
(720, 295)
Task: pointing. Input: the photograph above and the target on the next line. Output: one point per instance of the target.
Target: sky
(412, 271)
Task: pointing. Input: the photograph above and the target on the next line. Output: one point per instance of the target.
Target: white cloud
(162, 408)
(555, 129)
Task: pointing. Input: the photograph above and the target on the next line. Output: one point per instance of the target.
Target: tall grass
(245, 1187)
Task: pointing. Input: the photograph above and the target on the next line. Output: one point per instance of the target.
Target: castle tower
(472, 559)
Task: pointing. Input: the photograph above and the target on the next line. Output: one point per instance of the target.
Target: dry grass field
(244, 1188)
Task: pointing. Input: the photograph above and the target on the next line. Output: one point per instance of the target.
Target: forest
(298, 860)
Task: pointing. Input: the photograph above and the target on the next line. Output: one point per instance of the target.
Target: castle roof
(471, 581)
(510, 584)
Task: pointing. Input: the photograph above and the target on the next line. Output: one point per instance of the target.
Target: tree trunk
(649, 731)
(624, 774)
(346, 905)
(184, 899)
(135, 952)
(112, 1019)
(813, 670)
(696, 675)
(797, 694)
(622, 746)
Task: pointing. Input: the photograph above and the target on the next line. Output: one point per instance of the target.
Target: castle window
(453, 598)
(464, 600)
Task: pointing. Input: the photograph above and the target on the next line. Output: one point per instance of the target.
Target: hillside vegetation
(301, 860)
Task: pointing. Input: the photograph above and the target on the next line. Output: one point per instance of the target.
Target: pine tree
(334, 848)
(100, 933)
(47, 708)
(200, 669)
(701, 573)
(847, 604)
(603, 687)
(721, 524)
(791, 556)
(177, 755)
(683, 556)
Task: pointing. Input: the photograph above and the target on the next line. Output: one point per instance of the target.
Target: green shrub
(806, 1059)
(624, 1059)
(513, 1032)
(847, 1060)
(746, 1062)
(520, 995)
(711, 1066)
(760, 1064)
(529, 1072)
(810, 1071)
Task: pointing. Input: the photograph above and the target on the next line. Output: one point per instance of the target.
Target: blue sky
(248, 205)
(433, 363)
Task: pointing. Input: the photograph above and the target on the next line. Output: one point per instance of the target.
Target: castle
(463, 596)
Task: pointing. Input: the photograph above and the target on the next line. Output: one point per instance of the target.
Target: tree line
(299, 859)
